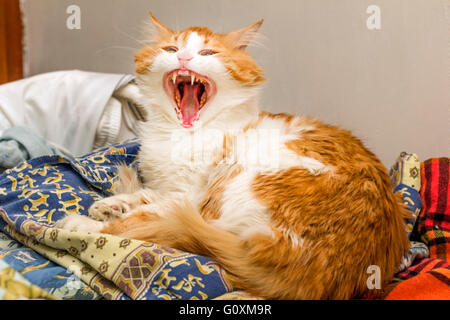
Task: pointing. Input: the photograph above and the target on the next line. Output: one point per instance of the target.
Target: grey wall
(390, 86)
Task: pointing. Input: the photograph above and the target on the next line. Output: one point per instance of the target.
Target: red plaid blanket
(429, 278)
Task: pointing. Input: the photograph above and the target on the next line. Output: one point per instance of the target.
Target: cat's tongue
(190, 104)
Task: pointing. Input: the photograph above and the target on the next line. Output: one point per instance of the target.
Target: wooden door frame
(11, 30)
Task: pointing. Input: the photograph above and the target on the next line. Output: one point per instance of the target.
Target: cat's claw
(108, 208)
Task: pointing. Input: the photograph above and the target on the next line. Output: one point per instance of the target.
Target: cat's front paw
(108, 208)
(76, 222)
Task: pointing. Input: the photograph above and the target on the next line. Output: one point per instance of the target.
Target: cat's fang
(174, 77)
(192, 79)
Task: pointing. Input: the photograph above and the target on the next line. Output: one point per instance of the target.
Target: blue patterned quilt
(77, 265)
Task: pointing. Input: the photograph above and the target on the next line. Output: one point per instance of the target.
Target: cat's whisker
(115, 47)
(140, 42)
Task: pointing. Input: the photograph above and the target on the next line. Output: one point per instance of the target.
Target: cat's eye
(171, 49)
(207, 52)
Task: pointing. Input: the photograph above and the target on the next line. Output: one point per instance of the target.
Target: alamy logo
(256, 148)
(74, 20)
(373, 22)
(374, 280)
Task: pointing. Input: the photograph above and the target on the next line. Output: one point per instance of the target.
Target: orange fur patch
(143, 59)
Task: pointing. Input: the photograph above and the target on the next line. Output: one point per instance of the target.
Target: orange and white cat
(290, 207)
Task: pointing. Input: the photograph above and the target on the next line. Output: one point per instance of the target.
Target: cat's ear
(160, 29)
(241, 38)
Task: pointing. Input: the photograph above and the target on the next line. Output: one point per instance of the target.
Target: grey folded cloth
(18, 144)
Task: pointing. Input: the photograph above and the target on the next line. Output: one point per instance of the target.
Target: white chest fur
(183, 161)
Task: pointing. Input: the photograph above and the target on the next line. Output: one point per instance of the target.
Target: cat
(290, 207)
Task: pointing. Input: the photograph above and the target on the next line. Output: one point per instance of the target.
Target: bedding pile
(428, 277)
(38, 261)
(78, 265)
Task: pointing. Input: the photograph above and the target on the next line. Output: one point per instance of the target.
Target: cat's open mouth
(190, 92)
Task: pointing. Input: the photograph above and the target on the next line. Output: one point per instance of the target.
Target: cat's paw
(76, 222)
(108, 208)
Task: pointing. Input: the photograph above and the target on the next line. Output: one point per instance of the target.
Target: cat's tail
(250, 263)
(128, 180)
(196, 235)
(183, 228)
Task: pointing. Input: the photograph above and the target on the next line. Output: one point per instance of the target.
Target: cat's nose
(184, 57)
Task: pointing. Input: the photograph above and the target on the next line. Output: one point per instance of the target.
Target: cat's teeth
(174, 78)
(192, 79)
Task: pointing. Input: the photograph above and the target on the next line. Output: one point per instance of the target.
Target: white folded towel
(72, 109)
